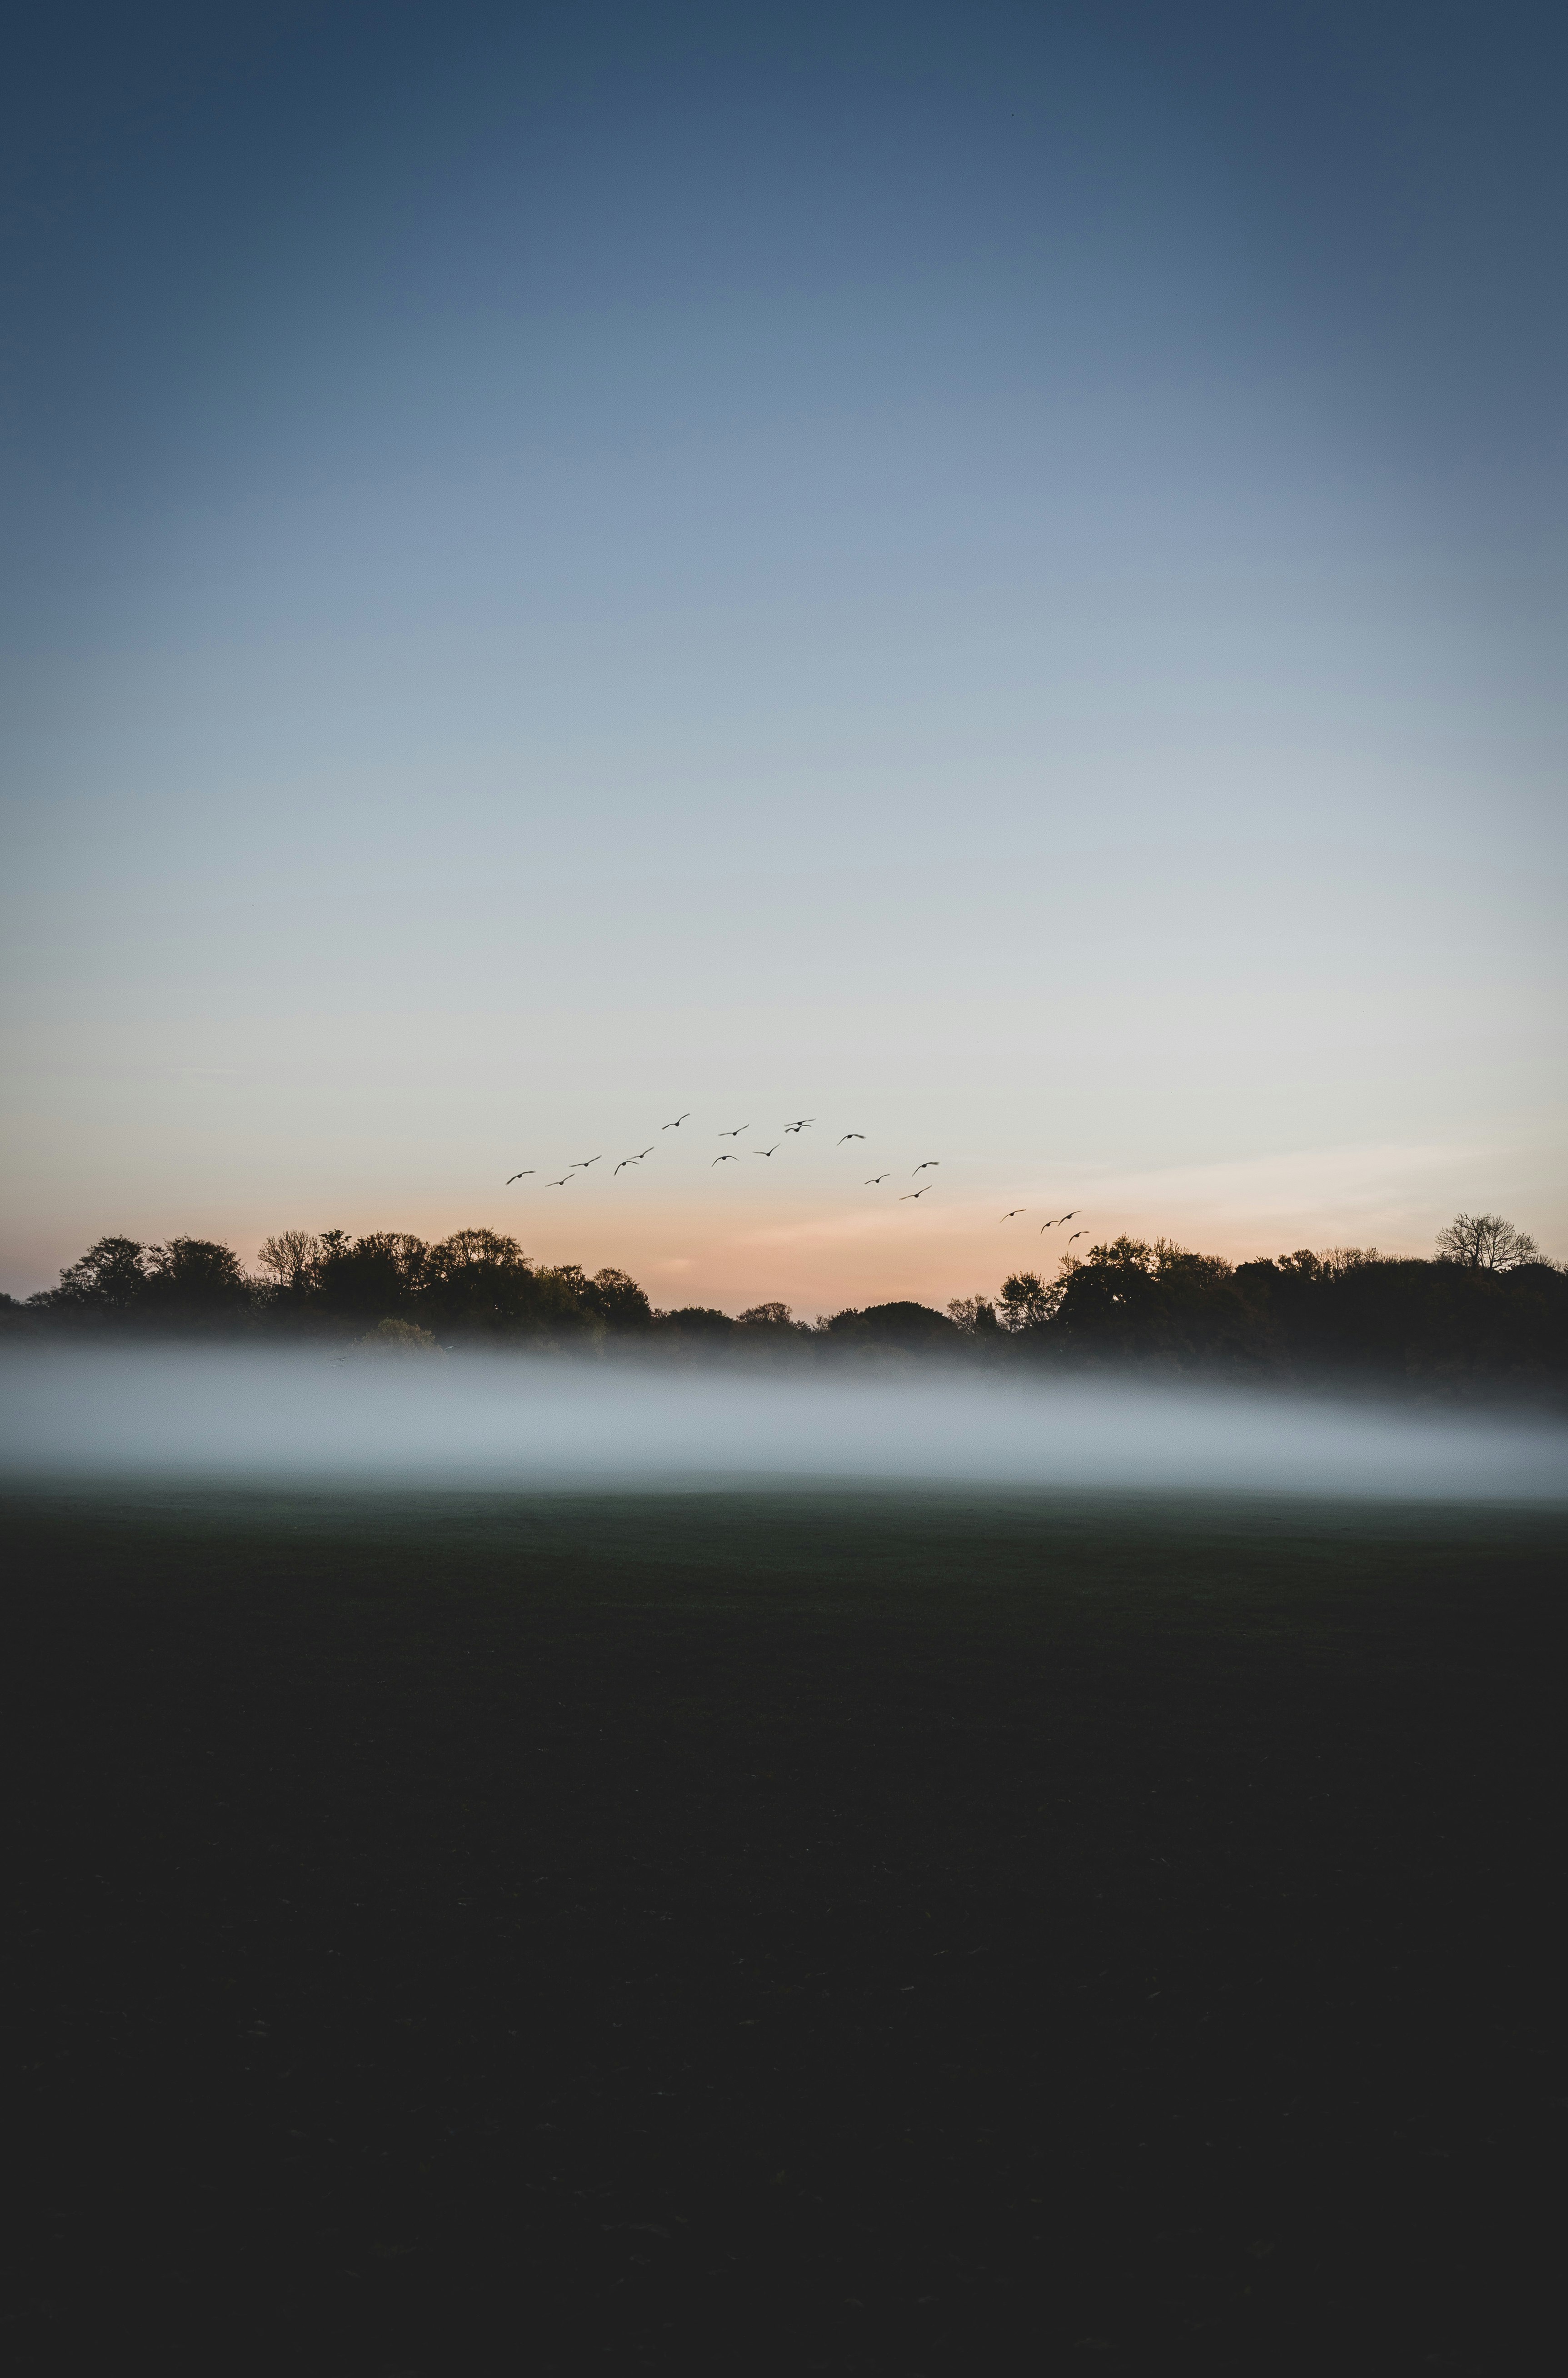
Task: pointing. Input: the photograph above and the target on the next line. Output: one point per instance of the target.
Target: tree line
(1486, 1312)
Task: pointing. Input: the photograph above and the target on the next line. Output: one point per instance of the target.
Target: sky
(991, 576)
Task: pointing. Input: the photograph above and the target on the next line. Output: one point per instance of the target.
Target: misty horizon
(1484, 1320)
(516, 1420)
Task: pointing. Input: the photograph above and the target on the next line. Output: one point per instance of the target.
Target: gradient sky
(991, 575)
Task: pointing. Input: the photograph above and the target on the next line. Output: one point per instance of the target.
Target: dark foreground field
(783, 1932)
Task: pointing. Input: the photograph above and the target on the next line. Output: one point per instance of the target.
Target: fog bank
(507, 1420)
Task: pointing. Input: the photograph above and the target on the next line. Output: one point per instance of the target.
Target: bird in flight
(804, 1124)
(728, 1159)
(582, 1164)
(915, 1193)
(737, 1132)
(519, 1176)
(677, 1123)
(1078, 1234)
(852, 1134)
(876, 1177)
(1045, 1227)
(560, 1184)
(625, 1161)
(1017, 1209)
(769, 1151)
(926, 1166)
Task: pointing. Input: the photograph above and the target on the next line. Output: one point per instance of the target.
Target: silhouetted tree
(1490, 1313)
(699, 1321)
(616, 1299)
(194, 1284)
(377, 1277)
(480, 1280)
(1485, 1243)
(290, 1259)
(187, 1283)
(1133, 1298)
(109, 1280)
(1025, 1302)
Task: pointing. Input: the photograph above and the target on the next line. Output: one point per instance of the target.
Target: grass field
(783, 1932)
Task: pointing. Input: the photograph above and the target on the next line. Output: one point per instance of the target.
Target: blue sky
(991, 575)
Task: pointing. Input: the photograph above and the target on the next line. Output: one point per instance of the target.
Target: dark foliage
(1349, 1313)
(474, 1285)
(703, 1324)
(378, 1278)
(1344, 1315)
(912, 1326)
(187, 1286)
(111, 1277)
(615, 1296)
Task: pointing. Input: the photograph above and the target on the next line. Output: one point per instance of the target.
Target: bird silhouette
(624, 1163)
(1045, 1227)
(804, 1123)
(926, 1166)
(876, 1177)
(915, 1193)
(852, 1134)
(640, 1154)
(1017, 1209)
(737, 1132)
(726, 1160)
(582, 1164)
(1071, 1217)
(519, 1176)
(560, 1184)
(1078, 1234)
(769, 1151)
(677, 1123)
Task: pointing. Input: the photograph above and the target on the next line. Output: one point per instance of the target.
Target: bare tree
(290, 1257)
(1485, 1243)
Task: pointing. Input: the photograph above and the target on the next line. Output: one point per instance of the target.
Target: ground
(780, 1932)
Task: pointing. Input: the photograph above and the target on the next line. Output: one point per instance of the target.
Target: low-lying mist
(503, 1420)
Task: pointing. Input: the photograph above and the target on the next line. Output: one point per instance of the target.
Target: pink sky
(821, 1250)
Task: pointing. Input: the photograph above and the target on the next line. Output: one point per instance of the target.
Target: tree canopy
(1486, 1313)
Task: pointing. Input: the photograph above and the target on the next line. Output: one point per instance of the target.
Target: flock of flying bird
(801, 1122)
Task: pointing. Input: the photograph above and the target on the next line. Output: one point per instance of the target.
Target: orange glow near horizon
(819, 1246)
(825, 1258)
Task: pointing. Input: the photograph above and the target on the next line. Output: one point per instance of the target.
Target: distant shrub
(399, 1341)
